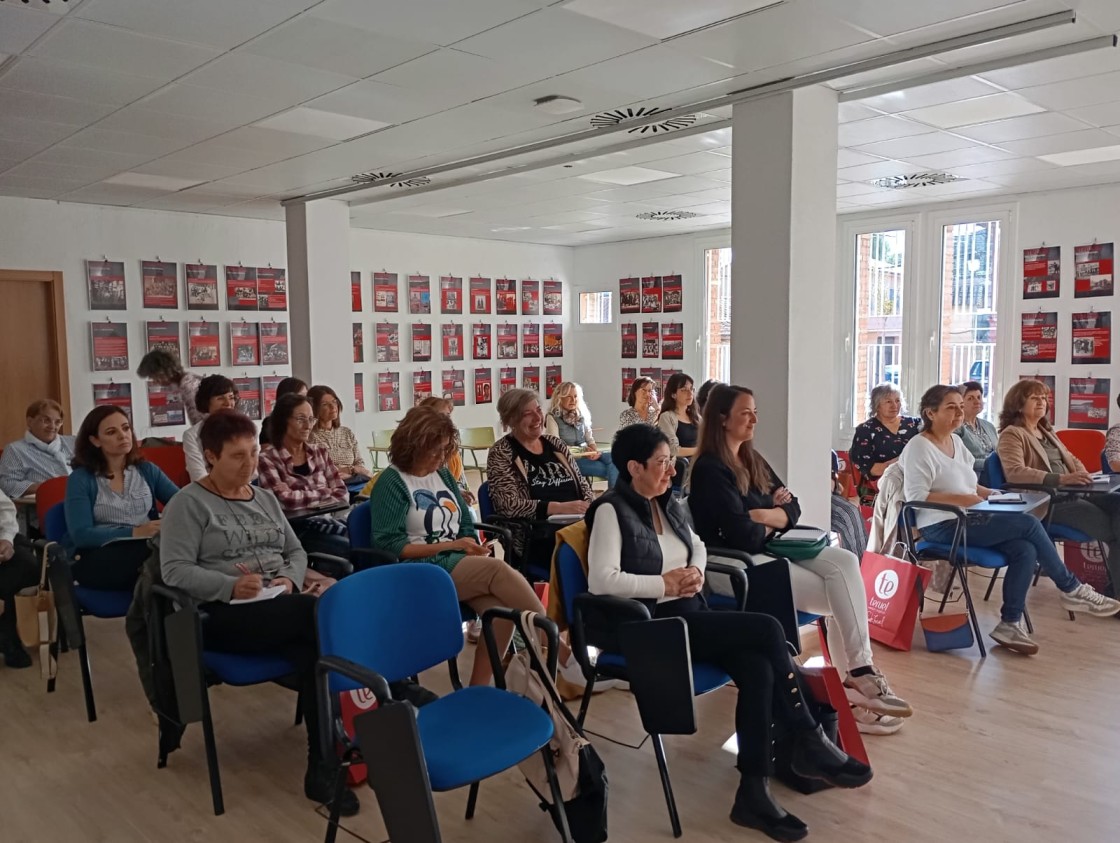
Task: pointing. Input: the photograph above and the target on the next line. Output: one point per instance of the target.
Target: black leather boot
(755, 808)
(817, 757)
(319, 786)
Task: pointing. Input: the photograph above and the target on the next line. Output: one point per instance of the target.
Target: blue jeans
(1022, 539)
(602, 467)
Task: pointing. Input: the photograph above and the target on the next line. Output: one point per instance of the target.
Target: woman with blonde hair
(455, 460)
(569, 419)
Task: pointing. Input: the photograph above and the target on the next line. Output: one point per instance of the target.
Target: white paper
(802, 534)
(564, 519)
(266, 593)
(1005, 497)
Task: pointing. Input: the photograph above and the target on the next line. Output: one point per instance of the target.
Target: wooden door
(33, 361)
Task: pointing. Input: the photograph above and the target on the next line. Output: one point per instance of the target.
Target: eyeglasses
(303, 421)
(664, 463)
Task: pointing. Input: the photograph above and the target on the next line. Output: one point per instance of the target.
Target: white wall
(44, 235)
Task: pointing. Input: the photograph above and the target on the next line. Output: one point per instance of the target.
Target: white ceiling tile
(270, 141)
(867, 172)
(959, 158)
(1076, 157)
(41, 170)
(1087, 139)
(924, 96)
(878, 129)
(265, 209)
(41, 76)
(663, 18)
(628, 175)
(20, 27)
(906, 70)
(849, 158)
(323, 124)
(113, 194)
(555, 41)
(592, 98)
(696, 162)
(652, 72)
(336, 47)
(126, 142)
(1103, 114)
(992, 169)
(116, 161)
(19, 129)
(1056, 70)
(903, 148)
(461, 75)
(192, 200)
(215, 104)
(178, 129)
(384, 103)
(856, 188)
(64, 110)
(213, 153)
(96, 45)
(892, 18)
(36, 188)
(951, 115)
(1075, 93)
(432, 21)
(852, 111)
(260, 76)
(166, 176)
(1020, 128)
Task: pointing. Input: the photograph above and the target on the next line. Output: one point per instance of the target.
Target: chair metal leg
(1027, 620)
(588, 692)
(991, 584)
(472, 800)
(299, 709)
(557, 807)
(212, 758)
(949, 586)
(971, 611)
(87, 683)
(666, 785)
(336, 806)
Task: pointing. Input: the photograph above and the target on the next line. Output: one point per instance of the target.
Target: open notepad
(266, 593)
(1005, 497)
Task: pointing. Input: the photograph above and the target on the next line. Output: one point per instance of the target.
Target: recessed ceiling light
(666, 18)
(512, 228)
(976, 110)
(628, 175)
(557, 104)
(321, 124)
(667, 216)
(1083, 156)
(916, 180)
(153, 182)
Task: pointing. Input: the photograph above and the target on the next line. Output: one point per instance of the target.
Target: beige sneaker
(872, 691)
(873, 723)
(1014, 637)
(1087, 599)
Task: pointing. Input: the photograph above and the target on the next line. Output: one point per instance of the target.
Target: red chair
(1086, 445)
(49, 493)
(171, 461)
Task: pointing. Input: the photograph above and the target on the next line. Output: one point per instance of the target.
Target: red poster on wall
(673, 294)
(385, 292)
(651, 340)
(483, 387)
(110, 346)
(248, 396)
(202, 285)
(480, 295)
(114, 395)
(160, 284)
(530, 297)
(651, 294)
(164, 336)
(530, 340)
(388, 392)
(672, 341)
(553, 293)
(1092, 337)
(272, 288)
(1088, 403)
(629, 339)
(507, 379)
(506, 295)
(105, 284)
(553, 377)
(165, 405)
(421, 343)
(388, 342)
(244, 343)
(358, 340)
(629, 295)
(628, 378)
(270, 383)
(450, 294)
(359, 392)
(1042, 272)
(1092, 270)
(507, 342)
(203, 344)
(421, 386)
(451, 342)
(241, 288)
(454, 386)
(531, 378)
(274, 343)
(419, 294)
(553, 340)
(1039, 343)
(356, 292)
(480, 341)
(654, 374)
(1048, 382)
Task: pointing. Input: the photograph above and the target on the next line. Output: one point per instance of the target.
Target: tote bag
(36, 619)
(894, 589)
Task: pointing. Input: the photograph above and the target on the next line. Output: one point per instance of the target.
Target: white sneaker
(1087, 599)
(874, 723)
(872, 691)
(1014, 637)
(572, 674)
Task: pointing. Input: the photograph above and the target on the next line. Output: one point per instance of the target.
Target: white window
(717, 316)
(595, 308)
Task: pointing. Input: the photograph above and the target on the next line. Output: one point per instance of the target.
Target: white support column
(783, 277)
(319, 295)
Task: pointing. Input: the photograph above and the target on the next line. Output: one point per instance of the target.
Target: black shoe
(755, 808)
(319, 786)
(817, 757)
(413, 692)
(15, 656)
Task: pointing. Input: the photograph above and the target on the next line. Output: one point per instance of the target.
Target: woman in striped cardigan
(419, 515)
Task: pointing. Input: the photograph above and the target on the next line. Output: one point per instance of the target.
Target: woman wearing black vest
(642, 547)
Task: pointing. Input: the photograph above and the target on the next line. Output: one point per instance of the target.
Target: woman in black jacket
(642, 547)
(737, 501)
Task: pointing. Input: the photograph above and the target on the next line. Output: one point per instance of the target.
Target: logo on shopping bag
(1092, 552)
(363, 699)
(886, 585)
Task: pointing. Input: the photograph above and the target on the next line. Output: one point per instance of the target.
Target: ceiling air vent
(916, 180)
(667, 216)
(367, 178)
(623, 115)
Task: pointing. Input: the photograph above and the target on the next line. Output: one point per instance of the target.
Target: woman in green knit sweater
(419, 515)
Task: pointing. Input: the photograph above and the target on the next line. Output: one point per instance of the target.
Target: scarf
(571, 417)
(52, 449)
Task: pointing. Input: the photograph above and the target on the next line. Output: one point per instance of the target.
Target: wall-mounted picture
(480, 341)
(202, 285)
(629, 295)
(1092, 270)
(1039, 339)
(421, 343)
(105, 283)
(480, 295)
(629, 339)
(419, 294)
(553, 294)
(274, 343)
(163, 336)
(451, 337)
(359, 392)
(553, 340)
(165, 405)
(450, 294)
(385, 292)
(483, 387)
(358, 340)
(553, 377)
(110, 346)
(388, 341)
(203, 344)
(506, 296)
(241, 288)
(672, 293)
(1042, 272)
(248, 396)
(1092, 337)
(272, 288)
(159, 283)
(356, 292)
(421, 386)
(507, 379)
(388, 391)
(651, 294)
(115, 395)
(531, 378)
(1089, 399)
(244, 344)
(454, 384)
(530, 340)
(530, 297)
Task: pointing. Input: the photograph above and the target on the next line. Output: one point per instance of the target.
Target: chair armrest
(60, 578)
(908, 526)
(330, 724)
(330, 565)
(731, 553)
(514, 616)
(364, 676)
(370, 557)
(738, 577)
(179, 598)
(659, 669)
(596, 621)
(505, 534)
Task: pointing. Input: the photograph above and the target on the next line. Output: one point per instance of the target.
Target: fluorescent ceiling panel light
(512, 228)
(950, 115)
(628, 176)
(321, 124)
(167, 183)
(1083, 156)
(666, 18)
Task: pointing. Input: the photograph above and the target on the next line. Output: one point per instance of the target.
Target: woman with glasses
(301, 475)
(680, 420)
(643, 407)
(979, 435)
(41, 454)
(569, 419)
(339, 440)
(216, 392)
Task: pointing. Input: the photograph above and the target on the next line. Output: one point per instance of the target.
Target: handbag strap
(536, 659)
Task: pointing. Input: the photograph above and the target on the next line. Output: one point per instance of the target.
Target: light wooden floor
(1008, 749)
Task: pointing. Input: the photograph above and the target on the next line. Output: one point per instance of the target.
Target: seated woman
(1031, 453)
(111, 495)
(738, 502)
(215, 392)
(419, 515)
(847, 520)
(642, 547)
(340, 441)
(1111, 447)
(879, 440)
(288, 386)
(569, 419)
(19, 569)
(302, 476)
(643, 407)
(680, 420)
(979, 435)
(164, 369)
(937, 468)
(455, 460)
(702, 393)
(41, 454)
(224, 541)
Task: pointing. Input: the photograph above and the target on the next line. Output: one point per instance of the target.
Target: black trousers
(19, 572)
(285, 626)
(111, 567)
(751, 649)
